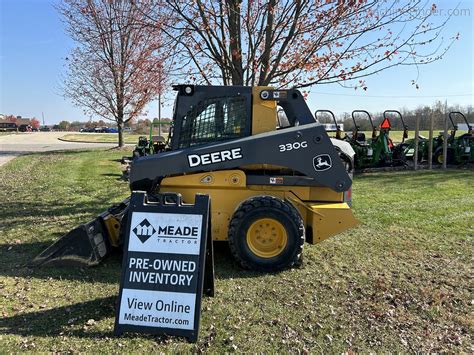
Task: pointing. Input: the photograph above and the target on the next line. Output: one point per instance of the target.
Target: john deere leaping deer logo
(322, 162)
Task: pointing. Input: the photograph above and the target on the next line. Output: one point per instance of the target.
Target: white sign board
(161, 284)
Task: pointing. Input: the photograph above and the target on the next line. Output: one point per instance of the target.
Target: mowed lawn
(397, 136)
(402, 281)
(101, 137)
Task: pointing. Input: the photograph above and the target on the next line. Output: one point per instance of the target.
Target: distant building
(23, 120)
(7, 126)
(331, 127)
(19, 119)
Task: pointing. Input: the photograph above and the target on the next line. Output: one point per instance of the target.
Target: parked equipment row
(380, 151)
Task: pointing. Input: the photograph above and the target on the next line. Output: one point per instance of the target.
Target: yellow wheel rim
(440, 159)
(266, 237)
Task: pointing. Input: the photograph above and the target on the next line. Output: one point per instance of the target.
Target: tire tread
(270, 202)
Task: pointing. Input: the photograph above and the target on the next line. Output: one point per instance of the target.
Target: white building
(331, 127)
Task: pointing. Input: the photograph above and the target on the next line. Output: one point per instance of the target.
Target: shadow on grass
(56, 321)
(16, 255)
(15, 213)
(53, 322)
(422, 178)
(225, 266)
(61, 320)
(15, 258)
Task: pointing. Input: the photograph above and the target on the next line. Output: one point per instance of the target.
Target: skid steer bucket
(87, 244)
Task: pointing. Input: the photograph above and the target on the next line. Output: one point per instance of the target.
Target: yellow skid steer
(274, 176)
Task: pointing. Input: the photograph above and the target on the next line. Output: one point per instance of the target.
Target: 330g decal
(292, 146)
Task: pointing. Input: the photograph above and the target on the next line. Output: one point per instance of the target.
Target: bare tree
(303, 42)
(118, 64)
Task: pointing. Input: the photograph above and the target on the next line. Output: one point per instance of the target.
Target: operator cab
(204, 115)
(209, 114)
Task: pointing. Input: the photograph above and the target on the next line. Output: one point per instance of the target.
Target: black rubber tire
(439, 153)
(266, 207)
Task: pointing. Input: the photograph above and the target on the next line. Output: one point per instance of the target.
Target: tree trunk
(120, 132)
(263, 78)
(235, 42)
(120, 122)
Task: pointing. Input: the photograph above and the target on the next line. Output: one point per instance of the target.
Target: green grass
(133, 138)
(401, 281)
(101, 137)
(397, 136)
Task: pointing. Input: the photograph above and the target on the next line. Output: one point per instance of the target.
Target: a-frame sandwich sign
(167, 252)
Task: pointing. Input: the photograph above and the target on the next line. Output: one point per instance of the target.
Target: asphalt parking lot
(13, 145)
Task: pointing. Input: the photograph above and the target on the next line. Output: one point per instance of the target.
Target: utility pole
(159, 101)
(445, 140)
(417, 139)
(159, 113)
(430, 144)
(42, 114)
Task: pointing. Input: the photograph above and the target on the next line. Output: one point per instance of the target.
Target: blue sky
(33, 46)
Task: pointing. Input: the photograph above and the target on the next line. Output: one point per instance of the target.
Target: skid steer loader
(273, 184)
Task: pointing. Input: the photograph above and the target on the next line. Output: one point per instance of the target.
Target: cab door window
(216, 119)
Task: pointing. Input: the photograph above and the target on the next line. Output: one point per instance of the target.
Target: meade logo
(174, 233)
(322, 162)
(215, 157)
(144, 230)
(178, 232)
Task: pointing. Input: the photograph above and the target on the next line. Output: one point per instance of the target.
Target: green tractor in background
(404, 152)
(375, 151)
(460, 149)
(151, 145)
(337, 127)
